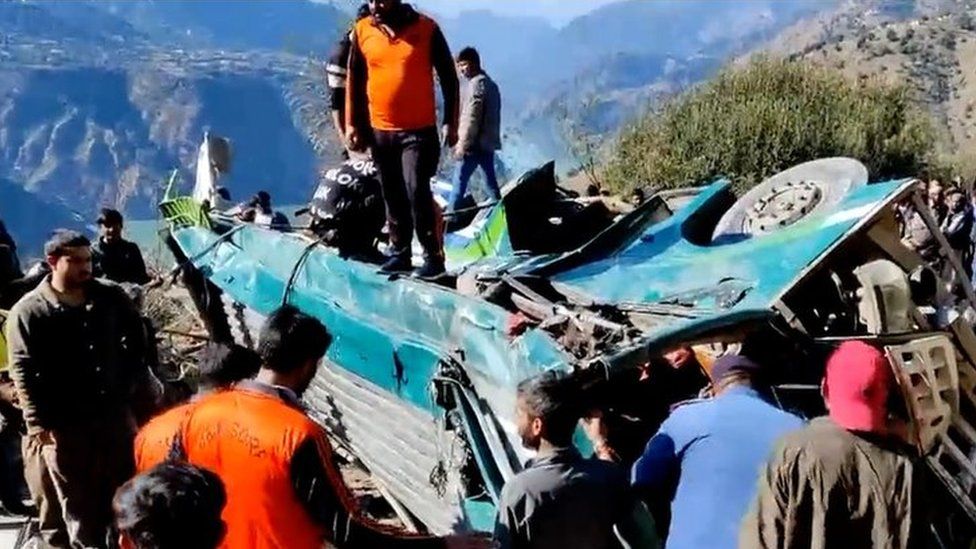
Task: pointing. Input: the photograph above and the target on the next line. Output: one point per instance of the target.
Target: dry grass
(180, 335)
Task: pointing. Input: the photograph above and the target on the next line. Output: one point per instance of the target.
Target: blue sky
(558, 12)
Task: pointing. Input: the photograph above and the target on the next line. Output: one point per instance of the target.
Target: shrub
(750, 123)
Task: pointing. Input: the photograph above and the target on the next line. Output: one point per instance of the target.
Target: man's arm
(654, 475)
(357, 113)
(336, 74)
(443, 63)
(321, 490)
(23, 369)
(339, 121)
(473, 116)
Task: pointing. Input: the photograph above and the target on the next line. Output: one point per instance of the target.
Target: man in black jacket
(113, 257)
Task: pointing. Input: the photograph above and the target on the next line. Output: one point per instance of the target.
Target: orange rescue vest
(248, 439)
(400, 81)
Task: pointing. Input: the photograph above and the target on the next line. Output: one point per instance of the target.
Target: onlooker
(77, 353)
(844, 480)
(283, 488)
(221, 366)
(336, 72)
(637, 197)
(113, 257)
(704, 460)
(390, 108)
(936, 200)
(267, 216)
(957, 226)
(480, 133)
(172, 506)
(561, 499)
(915, 233)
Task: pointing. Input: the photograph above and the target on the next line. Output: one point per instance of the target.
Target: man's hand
(450, 134)
(352, 139)
(470, 541)
(458, 152)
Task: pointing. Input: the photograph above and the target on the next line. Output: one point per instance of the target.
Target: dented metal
(419, 383)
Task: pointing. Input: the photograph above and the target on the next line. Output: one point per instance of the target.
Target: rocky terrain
(927, 45)
(96, 109)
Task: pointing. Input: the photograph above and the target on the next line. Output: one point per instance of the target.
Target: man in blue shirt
(706, 458)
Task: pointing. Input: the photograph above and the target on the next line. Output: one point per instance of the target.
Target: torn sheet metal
(663, 261)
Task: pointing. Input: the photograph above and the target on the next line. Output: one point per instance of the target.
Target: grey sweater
(481, 115)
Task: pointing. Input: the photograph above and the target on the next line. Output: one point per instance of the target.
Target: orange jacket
(394, 75)
(153, 443)
(248, 439)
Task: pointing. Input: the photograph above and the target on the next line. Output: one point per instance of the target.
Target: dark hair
(592, 190)
(362, 11)
(110, 216)
(223, 192)
(553, 398)
(470, 55)
(263, 199)
(290, 338)
(172, 506)
(62, 239)
(222, 365)
(638, 192)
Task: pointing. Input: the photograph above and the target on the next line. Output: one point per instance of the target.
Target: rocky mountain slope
(616, 61)
(928, 45)
(99, 101)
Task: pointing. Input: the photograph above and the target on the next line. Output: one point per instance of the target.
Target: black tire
(806, 189)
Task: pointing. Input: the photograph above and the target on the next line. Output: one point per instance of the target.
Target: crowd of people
(953, 211)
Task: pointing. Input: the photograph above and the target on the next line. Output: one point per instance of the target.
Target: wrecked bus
(418, 386)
